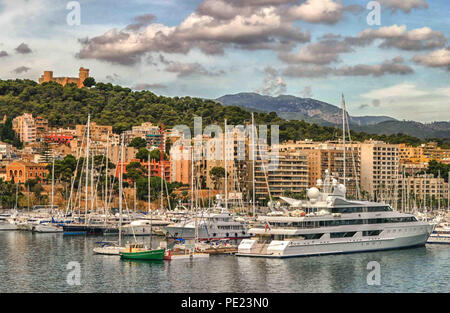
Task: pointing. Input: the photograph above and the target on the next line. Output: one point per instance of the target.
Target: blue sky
(208, 48)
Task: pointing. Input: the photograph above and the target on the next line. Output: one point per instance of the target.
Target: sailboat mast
(149, 202)
(106, 175)
(162, 185)
(253, 166)
(87, 170)
(53, 180)
(226, 169)
(120, 191)
(343, 136)
(192, 178)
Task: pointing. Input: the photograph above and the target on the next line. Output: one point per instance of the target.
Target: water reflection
(38, 263)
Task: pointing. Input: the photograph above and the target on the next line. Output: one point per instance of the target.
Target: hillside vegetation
(122, 108)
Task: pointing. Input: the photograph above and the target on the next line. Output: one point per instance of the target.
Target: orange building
(155, 169)
(22, 171)
(48, 77)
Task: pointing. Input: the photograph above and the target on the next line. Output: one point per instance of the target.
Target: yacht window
(342, 234)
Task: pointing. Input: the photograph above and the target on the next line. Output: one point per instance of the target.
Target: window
(371, 232)
(342, 234)
(312, 236)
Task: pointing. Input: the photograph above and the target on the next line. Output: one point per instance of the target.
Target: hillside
(416, 129)
(291, 107)
(322, 113)
(122, 108)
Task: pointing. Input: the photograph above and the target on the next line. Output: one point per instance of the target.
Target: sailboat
(188, 253)
(112, 248)
(49, 227)
(137, 251)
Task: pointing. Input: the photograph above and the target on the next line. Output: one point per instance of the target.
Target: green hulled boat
(137, 252)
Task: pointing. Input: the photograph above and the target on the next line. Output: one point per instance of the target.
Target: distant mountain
(416, 129)
(325, 114)
(296, 108)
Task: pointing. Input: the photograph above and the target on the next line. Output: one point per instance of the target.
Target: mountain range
(325, 114)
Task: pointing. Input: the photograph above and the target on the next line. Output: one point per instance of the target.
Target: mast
(226, 169)
(87, 170)
(194, 209)
(162, 185)
(120, 191)
(253, 166)
(106, 175)
(343, 134)
(53, 181)
(149, 202)
(192, 178)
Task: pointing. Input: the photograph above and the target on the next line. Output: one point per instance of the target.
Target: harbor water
(39, 263)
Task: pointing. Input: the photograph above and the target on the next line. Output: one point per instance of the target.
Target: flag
(267, 226)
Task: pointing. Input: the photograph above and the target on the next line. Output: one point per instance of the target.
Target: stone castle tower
(48, 77)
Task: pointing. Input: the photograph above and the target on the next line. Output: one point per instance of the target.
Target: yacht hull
(286, 249)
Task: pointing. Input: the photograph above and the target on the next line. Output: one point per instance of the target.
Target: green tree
(138, 143)
(89, 82)
(217, 173)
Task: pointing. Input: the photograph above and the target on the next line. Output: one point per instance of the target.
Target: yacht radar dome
(313, 193)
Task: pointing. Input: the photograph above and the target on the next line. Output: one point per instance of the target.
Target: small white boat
(46, 228)
(144, 227)
(108, 250)
(7, 226)
(440, 235)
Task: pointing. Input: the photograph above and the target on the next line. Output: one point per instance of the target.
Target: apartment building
(24, 125)
(330, 156)
(284, 171)
(379, 166)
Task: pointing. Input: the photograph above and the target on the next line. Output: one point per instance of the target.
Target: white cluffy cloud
(438, 58)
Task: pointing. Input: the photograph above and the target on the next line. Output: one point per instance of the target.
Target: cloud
(213, 27)
(397, 91)
(113, 78)
(3, 54)
(363, 106)
(355, 9)
(318, 11)
(409, 101)
(307, 92)
(273, 83)
(141, 21)
(399, 37)
(325, 51)
(189, 69)
(438, 58)
(394, 66)
(376, 102)
(23, 49)
(145, 86)
(404, 5)
(20, 70)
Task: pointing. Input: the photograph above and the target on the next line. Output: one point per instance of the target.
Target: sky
(393, 61)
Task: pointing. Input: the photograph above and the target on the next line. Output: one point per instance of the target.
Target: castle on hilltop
(48, 77)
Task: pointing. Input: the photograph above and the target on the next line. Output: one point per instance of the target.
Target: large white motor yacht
(329, 224)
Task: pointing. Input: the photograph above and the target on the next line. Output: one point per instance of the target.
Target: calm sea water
(38, 263)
